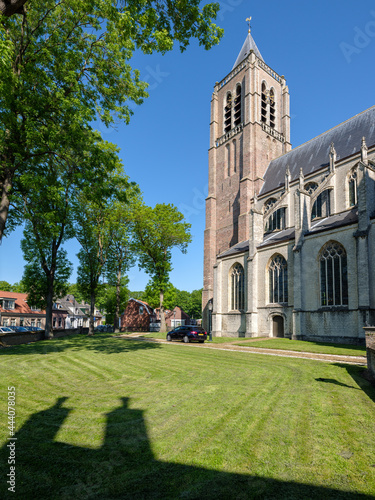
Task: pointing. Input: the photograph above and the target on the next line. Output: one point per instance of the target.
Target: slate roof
(314, 155)
(248, 45)
(327, 223)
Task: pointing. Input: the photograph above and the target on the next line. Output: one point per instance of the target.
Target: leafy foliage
(36, 282)
(157, 231)
(66, 63)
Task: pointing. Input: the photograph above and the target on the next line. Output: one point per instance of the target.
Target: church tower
(249, 127)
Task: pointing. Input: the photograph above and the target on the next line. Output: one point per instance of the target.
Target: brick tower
(249, 127)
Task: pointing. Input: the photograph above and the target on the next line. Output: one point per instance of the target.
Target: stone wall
(370, 348)
(15, 338)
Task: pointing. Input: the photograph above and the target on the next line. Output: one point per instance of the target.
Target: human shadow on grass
(102, 343)
(358, 374)
(125, 467)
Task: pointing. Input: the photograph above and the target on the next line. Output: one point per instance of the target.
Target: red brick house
(15, 311)
(137, 317)
(177, 317)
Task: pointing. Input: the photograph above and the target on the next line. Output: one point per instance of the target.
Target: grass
(106, 418)
(305, 346)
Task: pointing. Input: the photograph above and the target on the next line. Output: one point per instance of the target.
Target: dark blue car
(188, 333)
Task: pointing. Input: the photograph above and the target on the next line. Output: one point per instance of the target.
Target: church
(290, 233)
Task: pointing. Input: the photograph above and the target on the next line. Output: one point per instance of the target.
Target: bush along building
(290, 233)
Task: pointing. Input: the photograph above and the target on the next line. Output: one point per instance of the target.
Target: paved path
(353, 360)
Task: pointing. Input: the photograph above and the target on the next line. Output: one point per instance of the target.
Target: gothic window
(227, 159)
(333, 275)
(228, 114)
(264, 103)
(353, 189)
(310, 187)
(322, 206)
(237, 106)
(234, 155)
(276, 221)
(237, 288)
(269, 204)
(278, 280)
(272, 108)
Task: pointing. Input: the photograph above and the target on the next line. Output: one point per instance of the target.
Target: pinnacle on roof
(245, 51)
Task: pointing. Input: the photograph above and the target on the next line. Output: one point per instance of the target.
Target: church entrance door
(278, 326)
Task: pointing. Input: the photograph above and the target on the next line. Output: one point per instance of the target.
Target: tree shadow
(358, 375)
(104, 343)
(125, 467)
(336, 382)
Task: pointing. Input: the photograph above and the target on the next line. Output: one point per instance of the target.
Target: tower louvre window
(264, 103)
(272, 108)
(237, 106)
(228, 114)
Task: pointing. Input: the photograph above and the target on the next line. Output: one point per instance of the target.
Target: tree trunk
(48, 332)
(92, 312)
(117, 311)
(163, 327)
(4, 203)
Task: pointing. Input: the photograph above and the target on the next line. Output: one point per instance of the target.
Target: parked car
(188, 333)
(6, 329)
(20, 329)
(35, 329)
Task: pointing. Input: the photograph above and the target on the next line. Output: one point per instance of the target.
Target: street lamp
(210, 308)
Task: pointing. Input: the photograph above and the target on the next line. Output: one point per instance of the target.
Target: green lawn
(304, 346)
(106, 418)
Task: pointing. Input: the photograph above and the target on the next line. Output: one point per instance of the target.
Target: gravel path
(353, 360)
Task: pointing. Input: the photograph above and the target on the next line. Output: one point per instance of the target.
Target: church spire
(248, 45)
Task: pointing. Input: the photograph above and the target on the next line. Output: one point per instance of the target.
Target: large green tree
(65, 64)
(96, 227)
(46, 274)
(157, 232)
(122, 254)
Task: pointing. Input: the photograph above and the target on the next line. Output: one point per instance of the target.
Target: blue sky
(326, 51)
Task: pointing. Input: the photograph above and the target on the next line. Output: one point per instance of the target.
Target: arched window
(234, 155)
(276, 221)
(278, 280)
(310, 187)
(333, 275)
(228, 113)
(269, 204)
(353, 189)
(227, 158)
(264, 104)
(322, 206)
(237, 288)
(237, 106)
(272, 108)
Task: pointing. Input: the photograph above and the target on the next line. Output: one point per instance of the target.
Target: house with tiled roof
(16, 311)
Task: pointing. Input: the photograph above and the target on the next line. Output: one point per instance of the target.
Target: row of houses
(67, 312)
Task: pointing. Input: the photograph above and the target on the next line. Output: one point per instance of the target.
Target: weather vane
(248, 20)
